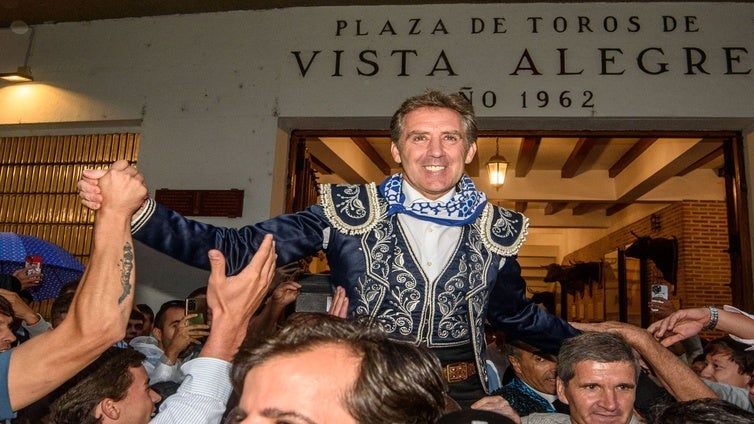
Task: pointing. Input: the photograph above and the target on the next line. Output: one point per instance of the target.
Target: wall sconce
(23, 73)
(496, 167)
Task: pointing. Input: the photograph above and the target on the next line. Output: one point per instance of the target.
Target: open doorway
(587, 194)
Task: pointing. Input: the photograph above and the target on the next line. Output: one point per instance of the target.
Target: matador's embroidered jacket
(369, 256)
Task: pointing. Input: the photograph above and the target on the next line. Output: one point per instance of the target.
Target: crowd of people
(425, 268)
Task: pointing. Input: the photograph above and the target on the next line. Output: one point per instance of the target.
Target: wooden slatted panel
(38, 195)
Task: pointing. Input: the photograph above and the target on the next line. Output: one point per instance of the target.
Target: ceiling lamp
(496, 167)
(23, 73)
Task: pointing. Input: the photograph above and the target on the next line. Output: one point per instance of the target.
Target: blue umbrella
(58, 266)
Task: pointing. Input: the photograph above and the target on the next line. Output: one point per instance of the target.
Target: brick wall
(703, 265)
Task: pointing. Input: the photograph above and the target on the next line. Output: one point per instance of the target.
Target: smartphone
(660, 290)
(35, 262)
(197, 305)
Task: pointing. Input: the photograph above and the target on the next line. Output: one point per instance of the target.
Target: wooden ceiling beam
(554, 207)
(319, 166)
(683, 160)
(363, 144)
(526, 155)
(472, 168)
(701, 162)
(521, 206)
(584, 208)
(615, 208)
(631, 155)
(576, 158)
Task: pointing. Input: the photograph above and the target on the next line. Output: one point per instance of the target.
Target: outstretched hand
(88, 186)
(497, 404)
(680, 325)
(234, 299)
(121, 188)
(661, 307)
(632, 333)
(285, 293)
(185, 335)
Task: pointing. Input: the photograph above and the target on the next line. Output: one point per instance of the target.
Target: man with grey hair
(598, 372)
(597, 377)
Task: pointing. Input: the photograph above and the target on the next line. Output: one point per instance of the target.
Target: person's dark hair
(699, 358)
(704, 411)
(62, 304)
(200, 291)
(6, 308)
(735, 350)
(597, 347)
(136, 315)
(159, 318)
(10, 282)
(147, 311)
(70, 286)
(514, 348)
(454, 101)
(108, 376)
(398, 381)
(472, 416)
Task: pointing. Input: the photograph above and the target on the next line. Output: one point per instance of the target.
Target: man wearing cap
(532, 388)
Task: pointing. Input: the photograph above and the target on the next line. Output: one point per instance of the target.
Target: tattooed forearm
(127, 265)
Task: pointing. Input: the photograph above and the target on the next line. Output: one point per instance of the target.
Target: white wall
(214, 95)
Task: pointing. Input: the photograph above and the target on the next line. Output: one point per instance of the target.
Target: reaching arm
(31, 320)
(205, 391)
(676, 376)
(272, 312)
(685, 323)
(513, 313)
(234, 299)
(298, 235)
(99, 312)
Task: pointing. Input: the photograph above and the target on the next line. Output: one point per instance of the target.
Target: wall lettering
(690, 55)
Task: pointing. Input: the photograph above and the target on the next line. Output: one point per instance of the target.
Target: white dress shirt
(202, 396)
(432, 244)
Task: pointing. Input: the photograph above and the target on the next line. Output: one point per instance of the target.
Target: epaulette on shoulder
(352, 209)
(503, 230)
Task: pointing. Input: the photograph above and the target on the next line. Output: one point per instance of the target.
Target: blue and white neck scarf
(464, 207)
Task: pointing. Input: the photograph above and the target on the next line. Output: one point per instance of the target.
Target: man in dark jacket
(423, 252)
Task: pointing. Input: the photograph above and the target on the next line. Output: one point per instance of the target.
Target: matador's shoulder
(503, 230)
(352, 208)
